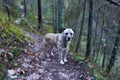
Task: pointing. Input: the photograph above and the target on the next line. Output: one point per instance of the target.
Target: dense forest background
(96, 24)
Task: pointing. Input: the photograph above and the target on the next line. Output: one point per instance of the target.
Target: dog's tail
(45, 41)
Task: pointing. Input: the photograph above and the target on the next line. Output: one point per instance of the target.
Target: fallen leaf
(11, 73)
(33, 76)
(11, 55)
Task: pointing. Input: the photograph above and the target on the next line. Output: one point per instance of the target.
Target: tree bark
(78, 45)
(56, 17)
(114, 51)
(104, 56)
(60, 15)
(113, 2)
(89, 36)
(94, 39)
(7, 9)
(104, 47)
(25, 9)
(39, 15)
(99, 45)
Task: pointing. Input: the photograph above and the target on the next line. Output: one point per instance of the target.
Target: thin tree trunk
(101, 36)
(81, 29)
(76, 18)
(94, 41)
(7, 9)
(61, 15)
(25, 9)
(114, 51)
(56, 17)
(104, 56)
(104, 53)
(95, 38)
(53, 16)
(39, 15)
(89, 36)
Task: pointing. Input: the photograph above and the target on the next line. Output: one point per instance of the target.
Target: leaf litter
(34, 65)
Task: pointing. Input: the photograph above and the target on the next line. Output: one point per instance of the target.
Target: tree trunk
(78, 45)
(39, 15)
(104, 52)
(56, 16)
(89, 36)
(114, 51)
(94, 41)
(7, 9)
(60, 15)
(25, 9)
(104, 56)
(13, 8)
(104, 47)
(53, 16)
(99, 44)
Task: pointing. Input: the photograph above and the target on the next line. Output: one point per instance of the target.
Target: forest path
(33, 65)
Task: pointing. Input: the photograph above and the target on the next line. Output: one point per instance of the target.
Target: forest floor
(33, 65)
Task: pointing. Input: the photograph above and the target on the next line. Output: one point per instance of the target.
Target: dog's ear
(62, 29)
(73, 30)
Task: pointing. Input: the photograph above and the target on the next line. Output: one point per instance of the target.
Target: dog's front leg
(60, 52)
(61, 57)
(66, 52)
(65, 59)
(52, 53)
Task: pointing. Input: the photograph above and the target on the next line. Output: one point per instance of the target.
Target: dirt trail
(33, 65)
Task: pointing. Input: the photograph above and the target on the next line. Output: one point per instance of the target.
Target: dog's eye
(70, 33)
(66, 33)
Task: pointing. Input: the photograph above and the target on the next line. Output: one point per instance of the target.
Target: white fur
(61, 41)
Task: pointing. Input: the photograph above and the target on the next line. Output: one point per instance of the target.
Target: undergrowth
(30, 23)
(13, 41)
(97, 71)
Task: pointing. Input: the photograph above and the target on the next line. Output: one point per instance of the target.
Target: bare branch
(101, 7)
(113, 2)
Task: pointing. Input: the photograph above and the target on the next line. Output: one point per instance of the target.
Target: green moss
(12, 37)
(15, 51)
(78, 56)
(1, 75)
(9, 31)
(98, 75)
(3, 66)
(50, 29)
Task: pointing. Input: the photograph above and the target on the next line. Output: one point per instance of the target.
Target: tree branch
(101, 7)
(113, 2)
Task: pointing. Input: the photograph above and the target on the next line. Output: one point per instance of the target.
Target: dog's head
(68, 34)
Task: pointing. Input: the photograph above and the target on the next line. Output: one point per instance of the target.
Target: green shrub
(8, 31)
(1, 75)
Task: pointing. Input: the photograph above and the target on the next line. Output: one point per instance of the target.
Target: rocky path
(33, 65)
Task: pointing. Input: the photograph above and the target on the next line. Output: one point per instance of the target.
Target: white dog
(61, 41)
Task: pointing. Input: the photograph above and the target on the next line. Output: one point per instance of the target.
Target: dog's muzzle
(68, 39)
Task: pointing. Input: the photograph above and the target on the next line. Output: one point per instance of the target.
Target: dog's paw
(52, 53)
(48, 55)
(65, 60)
(61, 62)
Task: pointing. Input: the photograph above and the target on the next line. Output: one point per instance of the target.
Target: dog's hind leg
(46, 49)
(52, 52)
